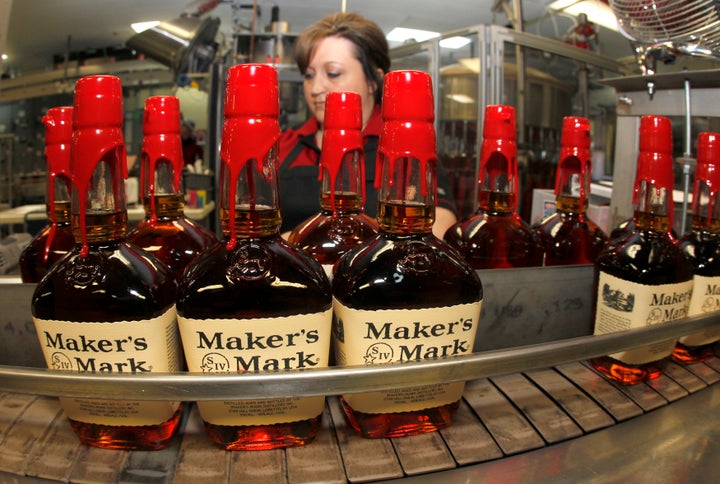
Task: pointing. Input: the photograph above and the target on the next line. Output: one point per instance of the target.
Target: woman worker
(341, 52)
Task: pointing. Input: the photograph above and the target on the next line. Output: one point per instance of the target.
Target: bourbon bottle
(54, 240)
(495, 236)
(701, 246)
(643, 278)
(404, 295)
(341, 223)
(107, 306)
(165, 231)
(568, 236)
(255, 303)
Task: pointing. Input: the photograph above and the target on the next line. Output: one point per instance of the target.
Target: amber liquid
(702, 247)
(261, 277)
(403, 268)
(327, 236)
(568, 236)
(172, 238)
(115, 282)
(647, 257)
(48, 246)
(495, 236)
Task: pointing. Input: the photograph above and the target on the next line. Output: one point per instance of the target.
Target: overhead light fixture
(143, 26)
(597, 12)
(454, 42)
(461, 98)
(401, 34)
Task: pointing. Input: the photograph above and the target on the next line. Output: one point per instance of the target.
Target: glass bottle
(341, 224)
(643, 278)
(404, 295)
(165, 231)
(54, 240)
(253, 302)
(568, 236)
(107, 306)
(701, 246)
(495, 236)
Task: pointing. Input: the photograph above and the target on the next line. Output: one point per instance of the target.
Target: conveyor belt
(512, 417)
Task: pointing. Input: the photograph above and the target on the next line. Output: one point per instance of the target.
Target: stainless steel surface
(677, 443)
(339, 380)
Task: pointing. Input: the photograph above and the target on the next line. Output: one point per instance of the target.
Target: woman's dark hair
(371, 47)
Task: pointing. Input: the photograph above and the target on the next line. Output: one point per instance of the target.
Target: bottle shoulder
(113, 282)
(397, 272)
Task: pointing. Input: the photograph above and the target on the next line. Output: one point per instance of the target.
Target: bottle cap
(708, 148)
(161, 115)
(499, 122)
(655, 134)
(343, 111)
(91, 92)
(408, 96)
(408, 114)
(252, 90)
(575, 132)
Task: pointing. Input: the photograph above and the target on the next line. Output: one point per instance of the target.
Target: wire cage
(661, 29)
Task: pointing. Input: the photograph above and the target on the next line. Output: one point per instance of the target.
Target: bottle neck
(162, 197)
(572, 182)
(705, 207)
(103, 216)
(343, 193)
(407, 196)
(497, 192)
(249, 205)
(653, 208)
(58, 199)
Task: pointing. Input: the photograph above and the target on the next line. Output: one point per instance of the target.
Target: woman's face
(333, 67)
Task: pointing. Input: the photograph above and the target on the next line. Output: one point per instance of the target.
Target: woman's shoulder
(292, 135)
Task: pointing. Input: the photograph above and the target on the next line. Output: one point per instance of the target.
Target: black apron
(299, 186)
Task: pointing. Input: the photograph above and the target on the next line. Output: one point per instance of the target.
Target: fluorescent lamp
(4, 57)
(461, 98)
(400, 34)
(597, 12)
(454, 42)
(143, 26)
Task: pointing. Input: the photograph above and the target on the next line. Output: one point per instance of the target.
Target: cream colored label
(113, 347)
(624, 305)
(258, 345)
(328, 268)
(705, 299)
(399, 335)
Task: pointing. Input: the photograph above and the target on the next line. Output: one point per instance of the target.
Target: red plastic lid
(575, 132)
(251, 128)
(655, 134)
(342, 134)
(94, 91)
(161, 115)
(498, 152)
(408, 112)
(499, 122)
(252, 90)
(408, 95)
